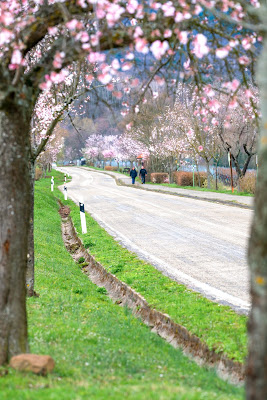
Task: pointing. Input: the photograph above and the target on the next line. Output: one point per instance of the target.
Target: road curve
(200, 244)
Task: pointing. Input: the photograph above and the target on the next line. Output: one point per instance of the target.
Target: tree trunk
(208, 174)
(256, 384)
(216, 177)
(14, 225)
(30, 255)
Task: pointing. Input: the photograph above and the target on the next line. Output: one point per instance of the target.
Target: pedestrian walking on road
(143, 173)
(133, 175)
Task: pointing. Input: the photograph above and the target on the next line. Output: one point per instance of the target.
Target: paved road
(198, 243)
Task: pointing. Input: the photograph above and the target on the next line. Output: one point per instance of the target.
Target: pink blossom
(233, 103)
(114, 13)
(126, 66)
(200, 148)
(167, 33)
(246, 43)
(118, 95)
(190, 133)
(72, 24)
(104, 78)
(214, 122)
(244, 60)
(135, 82)
(132, 6)
(232, 85)
(183, 37)
(198, 9)
(16, 57)
(100, 13)
(45, 85)
(141, 46)
(248, 93)
(214, 105)
(200, 45)
(168, 9)
(52, 30)
(115, 64)
(129, 56)
(89, 78)
(179, 17)
(82, 3)
(209, 91)
(160, 81)
(110, 86)
(138, 32)
(159, 48)
(60, 77)
(5, 36)
(96, 57)
(152, 17)
(222, 52)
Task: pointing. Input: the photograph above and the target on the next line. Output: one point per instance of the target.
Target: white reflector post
(65, 193)
(52, 184)
(65, 178)
(82, 215)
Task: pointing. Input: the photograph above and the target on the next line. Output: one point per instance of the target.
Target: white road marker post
(82, 215)
(52, 184)
(65, 178)
(65, 193)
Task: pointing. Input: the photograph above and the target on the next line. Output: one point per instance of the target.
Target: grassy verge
(101, 350)
(218, 326)
(200, 189)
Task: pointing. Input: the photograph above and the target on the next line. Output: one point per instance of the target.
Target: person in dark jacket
(143, 173)
(133, 175)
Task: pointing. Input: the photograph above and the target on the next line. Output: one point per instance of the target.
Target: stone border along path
(162, 324)
(200, 196)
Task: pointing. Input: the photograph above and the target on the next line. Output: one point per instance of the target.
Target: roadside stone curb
(188, 196)
(160, 323)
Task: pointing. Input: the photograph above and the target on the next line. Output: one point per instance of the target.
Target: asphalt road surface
(200, 244)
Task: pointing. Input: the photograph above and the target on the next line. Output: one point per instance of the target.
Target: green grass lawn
(226, 191)
(101, 350)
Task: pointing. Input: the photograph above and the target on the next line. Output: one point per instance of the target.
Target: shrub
(38, 173)
(224, 176)
(159, 177)
(183, 178)
(110, 168)
(248, 182)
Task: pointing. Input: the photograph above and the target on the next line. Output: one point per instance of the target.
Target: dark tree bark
(256, 384)
(14, 226)
(257, 362)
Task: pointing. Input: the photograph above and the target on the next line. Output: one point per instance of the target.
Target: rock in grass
(35, 363)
